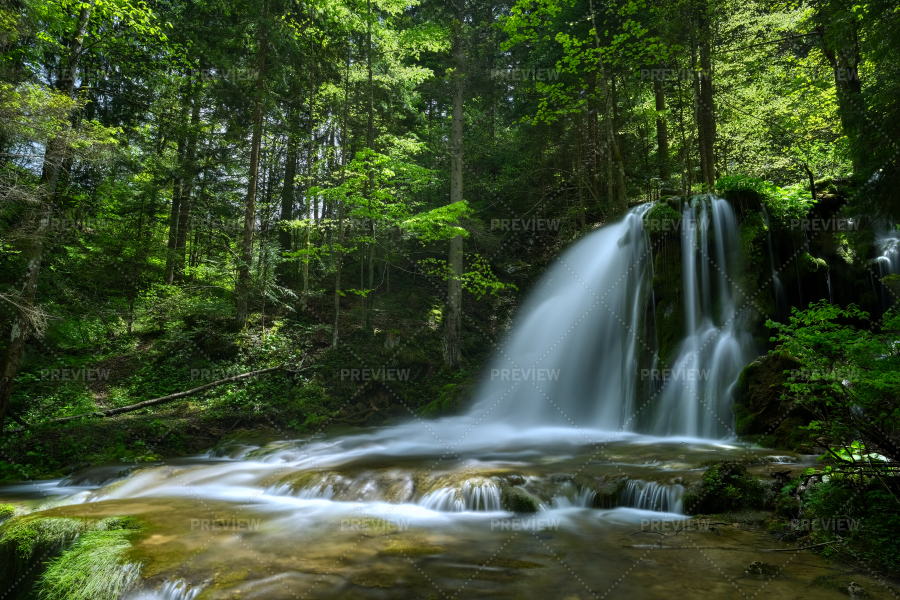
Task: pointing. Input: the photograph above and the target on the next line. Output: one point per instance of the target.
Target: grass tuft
(94, 568)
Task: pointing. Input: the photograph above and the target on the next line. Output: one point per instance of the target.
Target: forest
(371, 286)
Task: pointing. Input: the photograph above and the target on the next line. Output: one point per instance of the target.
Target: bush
(725, 486)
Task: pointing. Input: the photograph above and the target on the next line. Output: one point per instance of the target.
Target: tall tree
(453, 319)
(243, 284)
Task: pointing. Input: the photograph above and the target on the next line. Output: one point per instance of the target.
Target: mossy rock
(759, 409)
(607, 489)
(7, 511)
(662, 219)
(516, 500)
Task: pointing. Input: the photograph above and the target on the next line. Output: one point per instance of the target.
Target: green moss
(811, 264)
(412, 548)
(7, 511)
(516, 500)
(662, 218)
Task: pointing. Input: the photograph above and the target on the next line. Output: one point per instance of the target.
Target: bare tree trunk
(369, 301)
(621, 194)
(290, 172)
(707, 108)
(243, 284)
(698, 116)
(844, 60)
(453, 320)
(662, 133)
(340, 209)
(176, 209)
(187, 184)
(34, 248)
(310, 180)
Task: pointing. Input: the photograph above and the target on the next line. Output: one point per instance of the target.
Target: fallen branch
(795, 549)
(155, 401)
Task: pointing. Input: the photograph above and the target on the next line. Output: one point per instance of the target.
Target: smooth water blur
(539, 490)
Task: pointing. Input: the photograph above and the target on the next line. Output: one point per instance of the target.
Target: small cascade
(887, 263)
(582, 499)
(176, 589)
(653, 496)
(319, 492)
(479, 495)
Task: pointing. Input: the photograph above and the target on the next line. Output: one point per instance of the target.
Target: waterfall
(888, 263)
(472, 496)
(572, 356)
(696, 399)
(170, 590)
(653, 496)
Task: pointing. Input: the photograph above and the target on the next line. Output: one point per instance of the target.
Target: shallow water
(269, 520)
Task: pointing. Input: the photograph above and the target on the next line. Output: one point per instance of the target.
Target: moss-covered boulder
(6, 511)
(517, 500)
(760, 412)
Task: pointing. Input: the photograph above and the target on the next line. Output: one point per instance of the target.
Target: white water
(888, 263)
(696, 402)
(653, 496)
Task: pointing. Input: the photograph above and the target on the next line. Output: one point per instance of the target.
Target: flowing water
(550, 486)
(887, 263)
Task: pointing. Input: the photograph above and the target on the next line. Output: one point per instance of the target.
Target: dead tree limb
(155, 401)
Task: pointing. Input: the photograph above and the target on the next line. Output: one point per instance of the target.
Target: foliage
(725, 486)
(850, 376)
(94, 568)
(782, 203)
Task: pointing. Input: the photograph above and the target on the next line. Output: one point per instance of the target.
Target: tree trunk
(290, 172)
(369, 301)
(698, 116)
(340, 210)
(707, 106)
(453, 320)
(662, 133)
(34, 248)
(310, 183)
(243, 284)
(844, 62)
(187, 184)
(175, 213)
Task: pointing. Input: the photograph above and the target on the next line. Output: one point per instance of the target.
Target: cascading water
(888, 263)
(572, 357)
(696, 401)
(653, 496)
(473, 496)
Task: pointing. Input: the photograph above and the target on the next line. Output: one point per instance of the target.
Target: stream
(565, 479)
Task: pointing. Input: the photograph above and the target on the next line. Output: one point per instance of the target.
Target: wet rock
(607, 489)
(855, 591)
(759, 411)
(763, 570)
(516, 500)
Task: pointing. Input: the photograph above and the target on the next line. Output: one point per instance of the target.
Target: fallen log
(154, 402)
